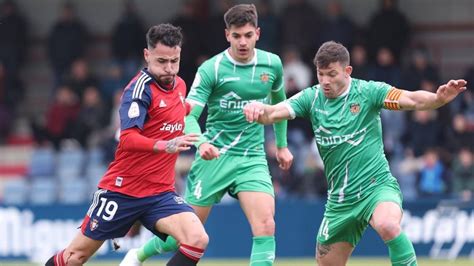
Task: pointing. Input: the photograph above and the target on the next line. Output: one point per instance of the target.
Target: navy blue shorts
(111, 214)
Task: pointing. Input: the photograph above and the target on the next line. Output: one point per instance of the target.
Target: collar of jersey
(235, 62)
(145, 70)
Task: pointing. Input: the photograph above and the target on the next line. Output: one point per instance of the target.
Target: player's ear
(348, 70)
(257, 32)
(146, 54)
(227, 35)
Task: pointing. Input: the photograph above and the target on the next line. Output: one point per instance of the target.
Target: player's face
(242, 41)
(334, 79)
(163, 62)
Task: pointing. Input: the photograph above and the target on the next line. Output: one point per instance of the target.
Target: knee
(265, 226)
(198, 239)
(388, 229)
(75, 258)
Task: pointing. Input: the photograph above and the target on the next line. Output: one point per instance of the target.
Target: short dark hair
(240, 15)
(331, 52)
(165, 34)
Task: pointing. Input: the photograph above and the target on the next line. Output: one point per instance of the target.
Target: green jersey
(348, 134)
(226, 86)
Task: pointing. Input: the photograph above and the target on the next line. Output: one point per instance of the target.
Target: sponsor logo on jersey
(232, 102)
(353, 139)
(171, 127)
(94, 224)
(229, 79)
(264, 77)
(134, 110)
(355, 108)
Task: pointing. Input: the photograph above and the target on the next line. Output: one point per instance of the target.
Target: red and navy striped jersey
(159, 114)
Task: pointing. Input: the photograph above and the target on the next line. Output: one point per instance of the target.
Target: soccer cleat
(131, 259)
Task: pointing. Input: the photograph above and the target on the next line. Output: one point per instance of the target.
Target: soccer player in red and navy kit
(139, 184)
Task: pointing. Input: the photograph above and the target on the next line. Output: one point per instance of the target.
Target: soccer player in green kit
(230, 156)
(345, 117)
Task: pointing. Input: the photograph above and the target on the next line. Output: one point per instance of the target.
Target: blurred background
(64, 64)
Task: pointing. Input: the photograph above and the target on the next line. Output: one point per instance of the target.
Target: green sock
(156, 246)
(401, 251)
(263, 251)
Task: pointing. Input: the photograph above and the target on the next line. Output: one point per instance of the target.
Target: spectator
(432, 176)
(194, 45)
(423, 133)
(91, 118)
(337, 26)
(215, 28)
(360, 67)
(420, 69)
(270, 23)
(80, 77)
(385, 68)
(388, 28)
(67, 41)
(14, 32)
(460, 135)
(127, 39)
(300, 15)
(296, 70)
(60, 118)
(463, 174)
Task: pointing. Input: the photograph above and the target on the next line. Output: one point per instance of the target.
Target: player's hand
(253, 111)
(181, 143)
(208, 151)
(447, 92)
(284, 158)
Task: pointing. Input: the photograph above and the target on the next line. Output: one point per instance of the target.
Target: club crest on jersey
(264, 77)
(94, 224)
(179, 200)
(355, 108)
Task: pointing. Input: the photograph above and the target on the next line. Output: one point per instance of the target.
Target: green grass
(279, 262)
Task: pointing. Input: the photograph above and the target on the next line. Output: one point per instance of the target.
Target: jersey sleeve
(301, 103)
(278, 85)
(202, 85)
(134, 106)
(377, 93)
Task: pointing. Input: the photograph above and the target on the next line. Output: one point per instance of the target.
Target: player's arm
(191, 121)
(132, 140)
(267, 114)
(397, 99)
(280, 128)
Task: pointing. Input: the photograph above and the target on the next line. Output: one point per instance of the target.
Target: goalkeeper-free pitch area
(281, 262)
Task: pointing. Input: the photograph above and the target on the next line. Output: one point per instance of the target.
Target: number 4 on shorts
(324, 229)
(198, 190)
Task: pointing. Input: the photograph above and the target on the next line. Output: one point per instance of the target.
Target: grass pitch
(278, 262)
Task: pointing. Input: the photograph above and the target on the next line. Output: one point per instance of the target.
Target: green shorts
(208, 181)
(347, 223)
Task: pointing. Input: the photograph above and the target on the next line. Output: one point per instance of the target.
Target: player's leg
(188, 230)
(386, 220)
(156, 245)
(336, 254)
(205, 185)
(259, 207)
(77, 253)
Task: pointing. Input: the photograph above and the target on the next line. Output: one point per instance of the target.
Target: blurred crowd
(430, 152)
